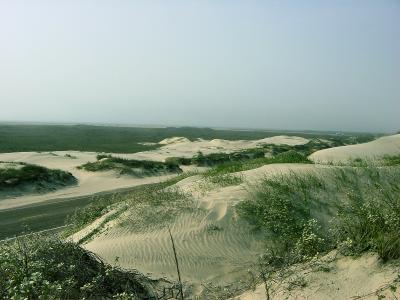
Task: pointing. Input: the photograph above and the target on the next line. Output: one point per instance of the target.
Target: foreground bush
(48, 268)
(369, 215)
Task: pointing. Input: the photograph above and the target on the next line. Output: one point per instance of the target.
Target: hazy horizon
(309, 65)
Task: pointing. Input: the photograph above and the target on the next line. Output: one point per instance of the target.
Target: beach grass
(353, 209)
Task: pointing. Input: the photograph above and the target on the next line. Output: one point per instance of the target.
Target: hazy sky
(264, 64)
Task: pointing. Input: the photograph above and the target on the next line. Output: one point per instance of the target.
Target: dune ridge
(388, 145)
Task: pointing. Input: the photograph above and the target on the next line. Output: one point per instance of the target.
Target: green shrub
(214, 159)
(391, 160)
(101, 156)
(281, 208)
(179, 161)
(290, 156)
(285, 157)
(369, 214)
(33, 174)
(223, 179)
(131, 166)
(353, 209)
(48, 268)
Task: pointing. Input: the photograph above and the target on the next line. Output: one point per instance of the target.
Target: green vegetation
(306, 149)
(21, 174)
(128, 139)
(48, 268)
(285, 157)
(281, 207)
(225, 164)
(369, 216)
(222, 158)
(179, 161)
(354, 210)
(393, 160)
(133, 167)
(223, 179)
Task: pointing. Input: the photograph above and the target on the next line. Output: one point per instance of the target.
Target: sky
(322, 65)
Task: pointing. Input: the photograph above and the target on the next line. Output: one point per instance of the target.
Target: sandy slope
(220, 255)
(340, 278)
(388, 145)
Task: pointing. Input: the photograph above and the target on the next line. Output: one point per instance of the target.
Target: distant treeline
(15, 138)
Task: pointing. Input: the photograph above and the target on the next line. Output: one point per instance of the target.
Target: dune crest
(388, 145)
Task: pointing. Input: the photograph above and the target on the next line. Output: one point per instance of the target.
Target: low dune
(88, 182)
(95, 182)
(388, 145)
(182, 147)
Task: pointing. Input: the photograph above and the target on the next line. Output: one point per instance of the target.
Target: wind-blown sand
(219, 255)
(388, 145)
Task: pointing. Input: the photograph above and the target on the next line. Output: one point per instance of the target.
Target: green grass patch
(132, 167)
(40, 177)
(222, 158)
(48, 268)
(285, 157)
(391, 160)
(223, 180)
(355, 210)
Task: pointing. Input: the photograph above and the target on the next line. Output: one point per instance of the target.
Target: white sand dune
(388, 145)
(182, 147)
(95, 182)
